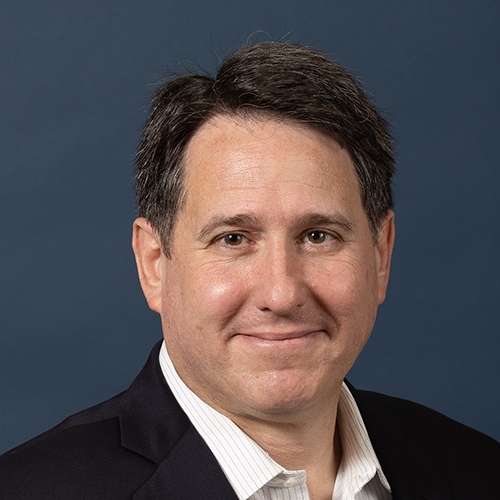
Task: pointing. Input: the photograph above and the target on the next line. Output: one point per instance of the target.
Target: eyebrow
(221, 221)
(309, 219)
(317, 219)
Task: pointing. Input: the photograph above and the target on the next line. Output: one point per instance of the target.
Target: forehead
(261, 162)
(239, 139)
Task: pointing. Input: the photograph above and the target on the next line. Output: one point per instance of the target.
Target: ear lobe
(385, 245)
(148, 255)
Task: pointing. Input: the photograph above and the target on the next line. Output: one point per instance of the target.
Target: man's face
(274, 281)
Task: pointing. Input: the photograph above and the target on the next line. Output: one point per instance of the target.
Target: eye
(233, 239)
(317, 237)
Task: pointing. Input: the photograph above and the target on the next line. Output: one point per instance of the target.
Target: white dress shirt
(254, 475)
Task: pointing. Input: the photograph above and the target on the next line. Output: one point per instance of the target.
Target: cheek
(348, 290)
(349, 295)
(214, 292)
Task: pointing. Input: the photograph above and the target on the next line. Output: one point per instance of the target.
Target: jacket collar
(151, 420)
(410, 477)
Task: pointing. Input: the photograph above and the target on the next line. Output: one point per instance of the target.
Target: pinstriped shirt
(254, 475)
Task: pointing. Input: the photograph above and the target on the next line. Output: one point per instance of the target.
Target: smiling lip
(273, 338)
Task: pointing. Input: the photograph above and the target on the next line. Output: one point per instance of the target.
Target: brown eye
(233, 239)
(316, 237)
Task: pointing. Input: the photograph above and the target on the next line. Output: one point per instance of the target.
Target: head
(266, 231)
(283, 81)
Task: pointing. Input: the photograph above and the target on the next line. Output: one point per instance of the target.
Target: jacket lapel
(189, 471)
(153, 425)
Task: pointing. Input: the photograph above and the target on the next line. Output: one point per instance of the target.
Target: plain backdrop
(75, 81)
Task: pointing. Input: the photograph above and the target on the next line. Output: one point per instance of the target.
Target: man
(264, 241)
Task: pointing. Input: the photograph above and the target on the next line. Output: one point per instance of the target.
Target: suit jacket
(140, 445)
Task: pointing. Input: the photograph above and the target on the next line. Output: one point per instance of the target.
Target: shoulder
(108, 451)
(416, 422)
(87, 444)
(398, 428)
(98, 422)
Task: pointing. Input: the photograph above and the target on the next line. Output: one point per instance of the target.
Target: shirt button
(290, 482)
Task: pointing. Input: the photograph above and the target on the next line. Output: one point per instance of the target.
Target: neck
(311, 444)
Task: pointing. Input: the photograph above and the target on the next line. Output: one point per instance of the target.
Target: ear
(148, 256)
(384, 247)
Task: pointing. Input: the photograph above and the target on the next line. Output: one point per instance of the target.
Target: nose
(281, 287)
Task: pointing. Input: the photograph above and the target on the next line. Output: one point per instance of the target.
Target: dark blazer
(140, 445)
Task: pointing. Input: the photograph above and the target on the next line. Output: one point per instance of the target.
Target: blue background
(75, 79)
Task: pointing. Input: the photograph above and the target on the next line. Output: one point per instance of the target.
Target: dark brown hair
(281, 80)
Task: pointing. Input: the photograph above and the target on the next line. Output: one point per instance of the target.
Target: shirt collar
(359, 460)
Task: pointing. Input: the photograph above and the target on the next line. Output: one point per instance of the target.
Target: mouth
(293, 338)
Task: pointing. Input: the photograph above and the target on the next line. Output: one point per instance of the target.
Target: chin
(281, 395)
